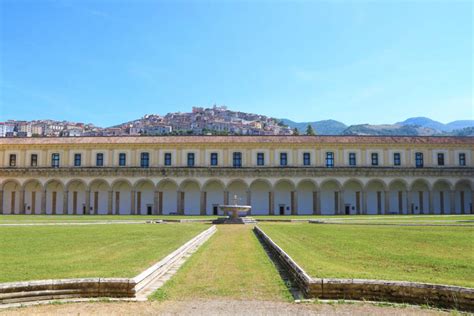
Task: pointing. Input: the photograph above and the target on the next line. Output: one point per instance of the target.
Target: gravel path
(217, 307)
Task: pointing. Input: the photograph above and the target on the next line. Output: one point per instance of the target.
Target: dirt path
(216, 307)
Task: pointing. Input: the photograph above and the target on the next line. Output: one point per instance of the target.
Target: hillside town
(218, 120)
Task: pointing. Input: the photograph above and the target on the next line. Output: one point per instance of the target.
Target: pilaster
(65, 202)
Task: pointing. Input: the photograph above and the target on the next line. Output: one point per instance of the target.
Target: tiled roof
(240, 139)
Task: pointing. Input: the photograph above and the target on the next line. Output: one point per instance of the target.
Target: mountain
(388, 129)
(325, 127)
(429, 123)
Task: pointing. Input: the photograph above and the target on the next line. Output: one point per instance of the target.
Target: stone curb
(445, 296)
(389, 224)
(161, 267)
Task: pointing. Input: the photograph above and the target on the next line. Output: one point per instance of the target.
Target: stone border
(454, 297)
(41, 290)
(312, 221)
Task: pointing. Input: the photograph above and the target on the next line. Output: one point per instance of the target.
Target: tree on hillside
(296, 131)
(310, 130)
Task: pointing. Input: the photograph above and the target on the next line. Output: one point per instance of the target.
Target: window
(34, 160)
(260, 159)
(144, 160)
(283, 159)
(77, 160)
(306, 159)
(214, 160)
(190, 159)
(55, 160)
(396, 159)
(419, 160)
(167, 159)
(99, 160)
(440, 159)
(462, 159)
(329, 159)
(12, 160)
(237, 159)
(352, 159)
(122, 159)
(375, 159)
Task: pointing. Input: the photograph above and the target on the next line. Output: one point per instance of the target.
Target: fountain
(234, 210)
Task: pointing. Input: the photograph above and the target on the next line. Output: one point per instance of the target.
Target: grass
(232, 264)
(443, 255)
(45, 252)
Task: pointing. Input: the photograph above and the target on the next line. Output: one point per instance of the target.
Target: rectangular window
(329, 159)
(375, 159)
(167, 159)
(12, 160)
(77, 160)
(214, 160)
(99, 160)
(462, 159)
(55, 160)
(144, 160)
(122, 159)
(306, 159)
(440, 159)
(260, 159)
(396, 159)
(283, 159)
(34, 160)
(352, 159)
(419, 160)
(190, 159)
(237, 159)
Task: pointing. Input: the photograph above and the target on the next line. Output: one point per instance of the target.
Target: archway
(54, 197)
(352, 197)
(122, 197)
(214, 190)
(100, 189)
(330, 197)
(11, 197)
(167, 197)
(33, 190)
(375, 191)
(306, 199)
(398, 196)
(419, 193)
(260, 190)
(441, 197)
(77, 204)
(144, 197)
(463, 197)
(192, 196)
(284, 197)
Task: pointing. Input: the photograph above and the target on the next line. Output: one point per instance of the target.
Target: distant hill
(387, 129)
(325, 127)
(427, 122)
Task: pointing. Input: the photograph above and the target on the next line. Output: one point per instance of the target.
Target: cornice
(236, 172)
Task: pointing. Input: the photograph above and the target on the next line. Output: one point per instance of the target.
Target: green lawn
(44, 252)
(443, 255)
(232, 264)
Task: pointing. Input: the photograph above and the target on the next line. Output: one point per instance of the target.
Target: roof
(448, 140)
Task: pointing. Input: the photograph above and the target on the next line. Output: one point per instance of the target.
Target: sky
(111, 61)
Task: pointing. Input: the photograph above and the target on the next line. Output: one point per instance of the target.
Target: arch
(100, 189)
(76, 197)
(420, 182)
(283, 181)
(75, 182)
(463, 197)
(442, 182)
(191, 196)
(330, 196)
(239, 188)
(141, 182)
(11, 196)
(305, 196)
(352, 196)
(463, 182)
(260, 196)
(167, 196)
(122, 197)
(54, 196)
(441, 197)
(398, 190)
(284, 197)
(33, 189)
(419, 193)
(214, 192)
(235, 182)
(144, 199)
(374, 182)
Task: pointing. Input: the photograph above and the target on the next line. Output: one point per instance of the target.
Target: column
(110, 198)
(441, 201)
(22, 201)
(294, 203)
(357, 206)
(462, 205)
(203, 203)
(408, 197)
(341, 202)
(249, 200)
(271, 206)
(386, 197)
(1, 201)
(452, 205)
(316, 203)
(471, 206)
(88, 202)
(226, 197)
(65, 202)
(43, 202)
(379, 202)
(156, 196)
(400, 203)
(139, 203)
(430, 202)
(132, 202)
(117, 203)
(160, 203)
(364, 202)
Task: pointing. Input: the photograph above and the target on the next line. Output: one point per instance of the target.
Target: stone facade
(275, 175)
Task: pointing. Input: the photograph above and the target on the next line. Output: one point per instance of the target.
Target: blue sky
(110, 61)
